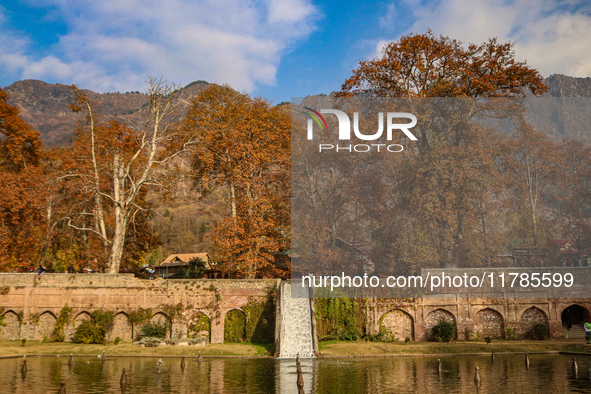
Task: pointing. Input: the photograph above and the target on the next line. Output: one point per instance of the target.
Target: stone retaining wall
(32, 304)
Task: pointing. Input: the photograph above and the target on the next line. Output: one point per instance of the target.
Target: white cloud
(553, 36)
(114, 44)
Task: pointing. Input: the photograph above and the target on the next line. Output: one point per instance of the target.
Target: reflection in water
(508, 374)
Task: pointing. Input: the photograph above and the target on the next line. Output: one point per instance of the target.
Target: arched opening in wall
(575, 315)
(489, 323)
(45, 325)
(11, 325)
(70, 329)
(235, 326)
(397, 325)
(435, 317)
(158, 327)
(531, 317)
(121, 327)
(199, 325)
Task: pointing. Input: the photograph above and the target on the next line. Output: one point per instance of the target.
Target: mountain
(46, 107)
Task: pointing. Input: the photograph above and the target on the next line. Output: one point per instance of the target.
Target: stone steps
(576, 332)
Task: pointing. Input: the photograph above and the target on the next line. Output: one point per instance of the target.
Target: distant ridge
(46, 107)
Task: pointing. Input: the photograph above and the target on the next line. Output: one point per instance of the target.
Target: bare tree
(113, 165)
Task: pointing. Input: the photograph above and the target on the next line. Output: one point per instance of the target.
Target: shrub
(487, 340)
(199, 341)
(150, 341)
(510, 333)
(90, 332)
(63, 319)
(406, 340)
(468, 334)
(154, 330)
(171, 341)
(540, 331)
(116, 341)
(23, 341)
(104, 319)
(444, 331)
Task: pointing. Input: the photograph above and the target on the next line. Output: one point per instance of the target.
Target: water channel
(508, 374)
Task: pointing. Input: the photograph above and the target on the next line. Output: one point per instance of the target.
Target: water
(547, 374)
(296, 325)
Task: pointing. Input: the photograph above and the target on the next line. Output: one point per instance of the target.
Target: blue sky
(275, 48)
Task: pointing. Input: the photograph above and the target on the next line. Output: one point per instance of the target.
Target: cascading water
(296, 324)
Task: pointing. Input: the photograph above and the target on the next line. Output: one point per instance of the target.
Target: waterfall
(296, 323)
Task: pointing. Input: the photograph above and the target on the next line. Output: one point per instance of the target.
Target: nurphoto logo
(345, 130)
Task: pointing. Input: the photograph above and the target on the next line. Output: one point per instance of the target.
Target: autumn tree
(243, 146)
(529, 164)
(570, 192)
(112, 166)
(22, 201)
(447, 172)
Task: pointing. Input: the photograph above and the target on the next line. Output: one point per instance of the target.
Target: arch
(578, 312)
(45, 325)
(121, 327)
(435, 316)
(159, 318)
(80, 318)
(398, 324)
(12, 324)
(490, 323)
(199, 325)
(235, 326)
(532, 316)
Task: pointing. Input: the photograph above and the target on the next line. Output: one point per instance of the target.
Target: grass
(327, 348)
(14, 348)
(362, 348)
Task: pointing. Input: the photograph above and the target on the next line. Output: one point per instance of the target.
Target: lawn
(14, 348)
(362, 348)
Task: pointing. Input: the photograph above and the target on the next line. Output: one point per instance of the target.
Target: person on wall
(41, 269)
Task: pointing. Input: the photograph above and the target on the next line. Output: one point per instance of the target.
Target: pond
(508, 374)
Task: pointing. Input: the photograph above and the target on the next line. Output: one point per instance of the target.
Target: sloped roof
(182, 259)
(561, 243)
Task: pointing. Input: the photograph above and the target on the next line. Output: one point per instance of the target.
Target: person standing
(568, 319)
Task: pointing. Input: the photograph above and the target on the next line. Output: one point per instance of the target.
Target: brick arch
(45, 325)
(159, 317)
(12, 326)
(398, 323)
(577, 307)
(235, 325)
(201, 330)
(436, 315)
(532, 316)
(121, 327)
(80, 318)
(490, 323)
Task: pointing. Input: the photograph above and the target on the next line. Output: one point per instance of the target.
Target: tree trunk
(121, 216)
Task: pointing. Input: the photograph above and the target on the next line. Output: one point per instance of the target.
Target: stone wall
(484, 317)
(31, 304)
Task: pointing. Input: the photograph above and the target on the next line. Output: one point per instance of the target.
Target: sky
(277, 49)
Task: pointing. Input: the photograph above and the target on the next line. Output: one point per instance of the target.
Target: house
(172, 263)
(565, 252)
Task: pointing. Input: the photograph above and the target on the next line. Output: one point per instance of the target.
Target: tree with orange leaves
(243, 145)
(22, 201)
(448, 175)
